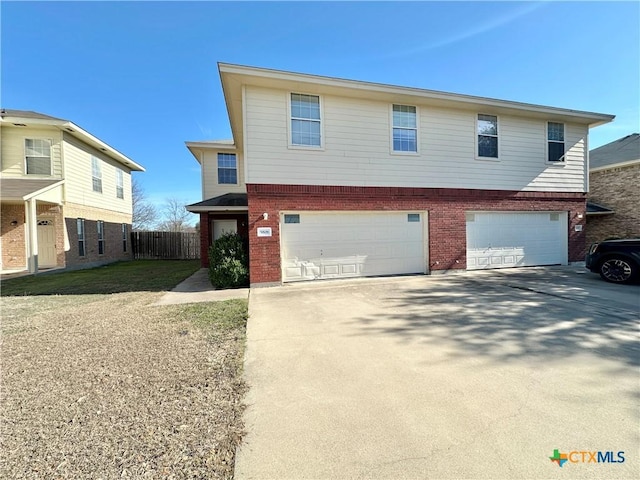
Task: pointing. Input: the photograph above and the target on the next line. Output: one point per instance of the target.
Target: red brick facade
(446, 207)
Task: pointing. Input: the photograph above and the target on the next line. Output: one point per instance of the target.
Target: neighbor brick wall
(113, 248)
(618, 189)
(446, 207)
(14, 236)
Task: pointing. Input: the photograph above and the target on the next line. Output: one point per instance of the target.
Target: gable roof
(625, 150)
(24, 118)
(233, 77)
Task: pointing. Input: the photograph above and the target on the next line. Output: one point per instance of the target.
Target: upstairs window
(405, 129)
(100, 224)
(305, 120)
(119, 183)
(487, 136)
(555, 142)
(96, 174)
(81, 244)
(37, 156)
(227, 168)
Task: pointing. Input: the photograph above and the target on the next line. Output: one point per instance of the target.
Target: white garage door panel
(503, 240)
(334, 245)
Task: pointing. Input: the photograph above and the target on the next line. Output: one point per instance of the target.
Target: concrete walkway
(197, 288)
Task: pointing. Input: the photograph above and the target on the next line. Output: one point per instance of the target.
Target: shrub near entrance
(228, 262)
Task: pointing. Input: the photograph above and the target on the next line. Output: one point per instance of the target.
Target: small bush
(228, 262)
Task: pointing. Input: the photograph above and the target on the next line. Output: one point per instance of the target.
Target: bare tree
(144, 213)
(176, 218)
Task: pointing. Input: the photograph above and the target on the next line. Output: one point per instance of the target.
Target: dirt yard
(109, 386)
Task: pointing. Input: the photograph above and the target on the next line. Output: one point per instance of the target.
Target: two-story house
(331, 178)
(65, 195)
(614, 190)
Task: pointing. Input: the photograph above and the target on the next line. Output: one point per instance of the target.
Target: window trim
(218, 168)
(119, 183)
(82, 237)
(290, 117)
(125, 234)
(392, 127)
(563, 160)
(26, 168)
(101, 242)
(93, 177)
(477, 135)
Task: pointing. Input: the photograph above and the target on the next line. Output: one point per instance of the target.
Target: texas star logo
(559, 458)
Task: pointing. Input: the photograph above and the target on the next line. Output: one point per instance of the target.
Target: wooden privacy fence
(166, 245)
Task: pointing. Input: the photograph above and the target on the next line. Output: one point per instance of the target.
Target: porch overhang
(594, 209)
(18, 190)
(229, 202)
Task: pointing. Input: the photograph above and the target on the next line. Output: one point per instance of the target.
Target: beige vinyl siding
(357, 149)
(13, 149)
(78, 174)
(210, 187)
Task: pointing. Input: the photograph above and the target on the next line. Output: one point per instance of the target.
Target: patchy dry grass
(108, 386)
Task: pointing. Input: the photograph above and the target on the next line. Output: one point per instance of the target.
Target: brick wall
(14, 249)
(113, 246)
(446, 207)
(13, 237)
(618, 189)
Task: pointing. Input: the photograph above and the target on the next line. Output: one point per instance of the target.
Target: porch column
(32, 234)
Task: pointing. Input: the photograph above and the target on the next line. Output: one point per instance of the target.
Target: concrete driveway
(480, 375)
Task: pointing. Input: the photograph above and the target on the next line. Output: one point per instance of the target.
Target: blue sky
(142, 76)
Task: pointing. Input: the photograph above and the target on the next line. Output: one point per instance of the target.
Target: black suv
(616, 261)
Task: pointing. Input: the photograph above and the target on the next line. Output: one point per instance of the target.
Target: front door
(220, 227)
(46, 244)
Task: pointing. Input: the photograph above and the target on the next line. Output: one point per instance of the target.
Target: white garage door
(508, 239)
(354, 244)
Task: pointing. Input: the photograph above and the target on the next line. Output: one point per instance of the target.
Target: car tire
(618, 270)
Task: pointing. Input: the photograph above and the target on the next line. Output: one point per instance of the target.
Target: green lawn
(134, 276)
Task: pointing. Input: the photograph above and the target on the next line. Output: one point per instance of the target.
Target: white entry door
(46, 244)
(220, 227)
(516, 239)
(352, 244)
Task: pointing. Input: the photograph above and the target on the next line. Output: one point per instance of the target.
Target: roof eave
(204, 209)
(609, 166)
(288, 79)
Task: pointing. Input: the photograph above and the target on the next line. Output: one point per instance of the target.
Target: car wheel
(618, 270)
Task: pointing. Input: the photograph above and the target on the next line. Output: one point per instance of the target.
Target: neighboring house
(66, 195)
(614, 190)
(331, 178)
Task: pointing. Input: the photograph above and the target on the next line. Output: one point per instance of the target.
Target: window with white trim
(305, 120)
(487, 136)
(100, 225)
(81, 239)
(119, 183)
(405, 128)
(125, 230)
(555, 142)
(37, 152)
(227, 168)
(96, 174)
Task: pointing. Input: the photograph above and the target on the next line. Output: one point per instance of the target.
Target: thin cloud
(478, 30)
